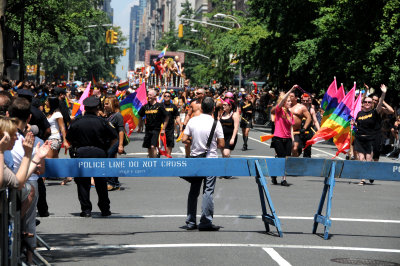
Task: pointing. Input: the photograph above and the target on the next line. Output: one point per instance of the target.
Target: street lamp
(220, 15)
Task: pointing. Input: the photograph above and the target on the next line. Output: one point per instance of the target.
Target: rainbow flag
(333, 104)
(120, 94)
(131, 105)
(67, 103)
(329, 95)
(337, 126)
(76, 109)
(162, 54)
(344, 138)
(123, 85)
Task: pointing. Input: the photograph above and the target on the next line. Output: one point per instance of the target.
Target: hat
(25, 92)
(58, 91)
(91, 102)
(229, 94)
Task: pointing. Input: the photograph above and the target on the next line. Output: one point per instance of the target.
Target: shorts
(227, 138)
(246, 124)
(55, 144)
(169, 135)
(364, 144)
(283, 147)
(151, 138)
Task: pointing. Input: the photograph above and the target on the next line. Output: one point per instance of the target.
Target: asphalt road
(147, 224)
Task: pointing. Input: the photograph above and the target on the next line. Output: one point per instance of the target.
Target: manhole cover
(364, 262)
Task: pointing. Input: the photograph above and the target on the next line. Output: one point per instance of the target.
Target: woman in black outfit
(246, 108)
(368, 128)
(230, 125)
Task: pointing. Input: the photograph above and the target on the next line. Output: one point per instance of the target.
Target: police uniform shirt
(155, 115)
(91, 130)
(246, 109)
(173, 112)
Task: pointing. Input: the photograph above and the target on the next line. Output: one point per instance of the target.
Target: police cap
(25, 93)
(58, 91)
(91, 102)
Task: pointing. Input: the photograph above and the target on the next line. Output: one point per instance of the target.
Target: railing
(10, 227)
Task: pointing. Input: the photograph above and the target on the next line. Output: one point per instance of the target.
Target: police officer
(91, 136)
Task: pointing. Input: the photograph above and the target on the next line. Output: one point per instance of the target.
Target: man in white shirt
(196, 133)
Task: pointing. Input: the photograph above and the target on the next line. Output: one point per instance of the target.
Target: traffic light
(180, 31)
(124, 52)
(114, 37)
(108, 36)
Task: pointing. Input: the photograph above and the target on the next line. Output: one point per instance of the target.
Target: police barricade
(10, 227)
(260, 168)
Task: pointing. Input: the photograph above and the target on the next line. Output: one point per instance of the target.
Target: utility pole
(21, 44)
(2, 23)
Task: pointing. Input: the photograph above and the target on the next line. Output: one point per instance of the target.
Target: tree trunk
(2, 27)
(38, 61)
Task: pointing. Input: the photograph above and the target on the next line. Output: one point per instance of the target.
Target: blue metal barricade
(258, 167)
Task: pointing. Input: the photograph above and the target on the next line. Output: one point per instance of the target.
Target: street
(147, 226)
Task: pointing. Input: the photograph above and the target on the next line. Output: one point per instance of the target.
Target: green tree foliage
(57, 35)
(300, 41)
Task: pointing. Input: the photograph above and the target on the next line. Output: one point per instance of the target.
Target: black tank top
(227, 124)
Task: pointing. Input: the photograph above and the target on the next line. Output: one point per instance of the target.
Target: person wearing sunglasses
(368, 127)
(173, 114)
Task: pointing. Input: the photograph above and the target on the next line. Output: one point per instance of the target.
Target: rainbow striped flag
(337, 126)
(162, 54)
(333, 104)
(120, 94)
(123, 85)
(329, 95)
(67, 103)
(131, 105)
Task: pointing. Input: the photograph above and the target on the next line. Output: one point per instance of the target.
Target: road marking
(276, 257)
(198, 245)
(242, 216)
(265, 143)
(183, 152)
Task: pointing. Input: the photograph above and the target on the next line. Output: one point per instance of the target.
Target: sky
(122, 11)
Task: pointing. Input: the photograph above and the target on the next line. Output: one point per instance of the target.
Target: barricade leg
(268, 219)
(329, 184)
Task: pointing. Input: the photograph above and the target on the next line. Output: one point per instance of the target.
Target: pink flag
(340, 93)
(356, 107)
(85, 94)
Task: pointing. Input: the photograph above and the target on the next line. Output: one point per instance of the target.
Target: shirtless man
(194, 110)
(299, 112)
(307, 102)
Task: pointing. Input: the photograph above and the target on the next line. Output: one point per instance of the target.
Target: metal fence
(10, 227)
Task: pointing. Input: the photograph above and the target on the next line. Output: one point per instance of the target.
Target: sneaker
(284, 183)
(273, 180)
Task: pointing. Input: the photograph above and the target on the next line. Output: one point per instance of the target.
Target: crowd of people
(36, 123)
